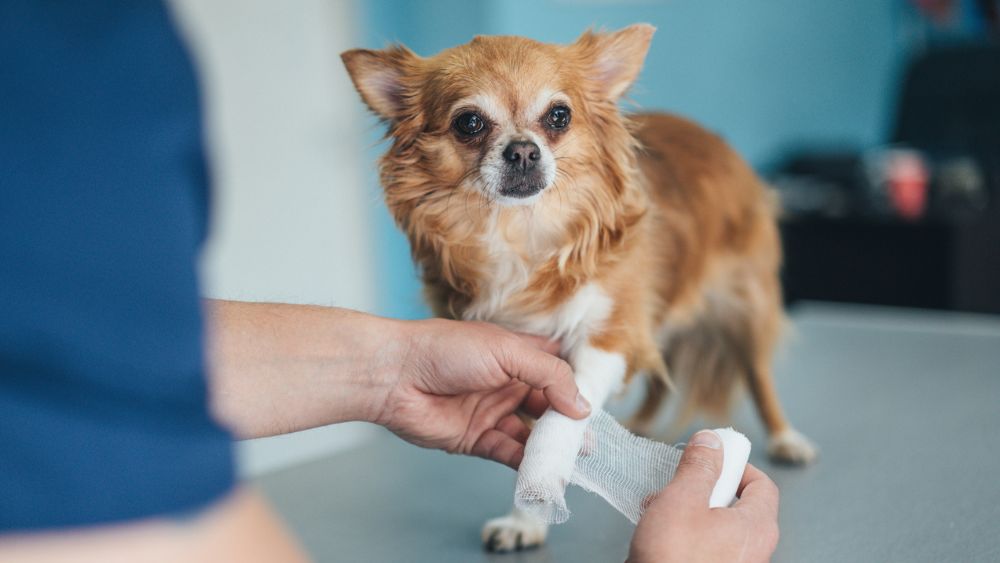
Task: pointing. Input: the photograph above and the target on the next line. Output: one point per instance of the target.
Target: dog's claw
(510, 533)
(491, 542)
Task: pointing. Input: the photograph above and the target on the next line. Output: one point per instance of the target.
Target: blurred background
(877, 120)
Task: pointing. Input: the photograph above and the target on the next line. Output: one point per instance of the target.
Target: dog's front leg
(551, 451)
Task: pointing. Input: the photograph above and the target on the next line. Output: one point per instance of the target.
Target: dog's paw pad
(789, 446)
(509, 533)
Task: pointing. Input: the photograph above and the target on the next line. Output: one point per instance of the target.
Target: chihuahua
(643, 243)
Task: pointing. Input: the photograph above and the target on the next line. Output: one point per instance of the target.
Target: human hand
(460, 383)
(678, 525)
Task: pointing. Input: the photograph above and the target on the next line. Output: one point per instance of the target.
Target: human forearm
(278, 368)
(437, 383)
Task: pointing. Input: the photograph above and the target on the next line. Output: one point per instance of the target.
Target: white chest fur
(571, 322)
(574, 320)
(508, 272)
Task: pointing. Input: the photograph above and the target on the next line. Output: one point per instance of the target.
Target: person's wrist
(397, 340)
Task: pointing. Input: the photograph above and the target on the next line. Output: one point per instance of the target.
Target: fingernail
(706, 438)
(582, 404)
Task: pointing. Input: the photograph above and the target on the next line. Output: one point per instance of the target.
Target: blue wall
(768, 75)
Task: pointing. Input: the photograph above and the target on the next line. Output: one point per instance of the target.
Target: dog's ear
(616, 58)
(381, 78)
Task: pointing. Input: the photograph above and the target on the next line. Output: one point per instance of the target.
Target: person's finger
(758, 501)
(535, 404)
(543, 371)
(697, 471)
(750, 474)
(759, 494)
(544, 344)
(514, 427)
(499, 447)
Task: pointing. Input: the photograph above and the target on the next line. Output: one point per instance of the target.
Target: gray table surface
(904, 405)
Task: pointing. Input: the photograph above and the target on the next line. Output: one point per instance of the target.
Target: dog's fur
(649, 238)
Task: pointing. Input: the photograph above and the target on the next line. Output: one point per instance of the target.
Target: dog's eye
(558, 117)
(470, 123)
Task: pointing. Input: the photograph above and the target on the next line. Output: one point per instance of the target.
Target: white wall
(286, 148)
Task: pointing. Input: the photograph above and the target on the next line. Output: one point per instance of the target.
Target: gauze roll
(602, 457)
(736, 453)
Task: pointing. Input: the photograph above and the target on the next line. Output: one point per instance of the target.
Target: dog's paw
(791, 447)
(510, 533)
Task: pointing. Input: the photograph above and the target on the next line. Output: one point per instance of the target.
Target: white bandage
(601, 456)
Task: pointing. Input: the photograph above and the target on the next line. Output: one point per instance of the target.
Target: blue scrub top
(103, 209)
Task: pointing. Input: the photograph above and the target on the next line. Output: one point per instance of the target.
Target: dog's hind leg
(765, 319)
(785, 444)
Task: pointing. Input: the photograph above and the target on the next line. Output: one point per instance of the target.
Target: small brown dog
(644, 243)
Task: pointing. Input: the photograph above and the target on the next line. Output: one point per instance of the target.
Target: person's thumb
(698, 470)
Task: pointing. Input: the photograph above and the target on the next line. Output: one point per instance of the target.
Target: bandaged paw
(548, 465)
(544, 499)
(601, 456)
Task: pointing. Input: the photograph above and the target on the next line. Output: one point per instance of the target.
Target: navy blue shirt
(103, 207)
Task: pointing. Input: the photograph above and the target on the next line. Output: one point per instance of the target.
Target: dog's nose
(522, 154)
